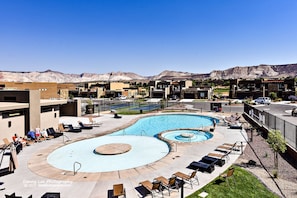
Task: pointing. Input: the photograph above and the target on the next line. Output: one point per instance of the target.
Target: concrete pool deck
(35, 176)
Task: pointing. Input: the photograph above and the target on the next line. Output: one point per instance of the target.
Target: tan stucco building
(22, 110)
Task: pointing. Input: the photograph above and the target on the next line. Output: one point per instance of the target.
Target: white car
(122, 97)
(263, 100)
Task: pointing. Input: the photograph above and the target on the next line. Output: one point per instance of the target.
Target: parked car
(263, 100)
(292, 98)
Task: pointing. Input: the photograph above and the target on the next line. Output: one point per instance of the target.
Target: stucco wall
(17, 126)
(34, 109)
(49, 119)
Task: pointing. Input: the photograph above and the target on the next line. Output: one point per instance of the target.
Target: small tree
(273, 95)
(277, 143)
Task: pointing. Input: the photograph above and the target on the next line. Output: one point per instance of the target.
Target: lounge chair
(219, 156)
(235, 125)
(7, 142)
(84, 126)
(190, 178)
(170, 184)
(153, 187)
(12, 196)
(51, 195)
(213, 160)
(235, 146)
(70, 128)
(94, 123)
(73, 129)
(117, 116)
(7, 146)
(118, 190)
(17, 145)
(226, 148)
(202, 166)
(51, 132)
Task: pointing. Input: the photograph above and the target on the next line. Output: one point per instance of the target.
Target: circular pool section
(186, 135)
(83, 152)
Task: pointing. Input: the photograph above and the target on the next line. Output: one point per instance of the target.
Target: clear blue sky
(145, 36)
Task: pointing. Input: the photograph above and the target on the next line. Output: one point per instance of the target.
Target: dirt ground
(259, 151)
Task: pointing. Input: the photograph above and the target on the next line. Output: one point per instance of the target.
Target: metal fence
(272, 122)
(101, 105)
(126, 105)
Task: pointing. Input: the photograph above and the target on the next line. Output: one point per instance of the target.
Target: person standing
(214, 123)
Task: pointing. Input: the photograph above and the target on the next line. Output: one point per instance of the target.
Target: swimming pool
(144, 130)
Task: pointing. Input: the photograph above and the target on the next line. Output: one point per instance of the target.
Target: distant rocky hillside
(247, 72)
(53, 76)
(261, 71)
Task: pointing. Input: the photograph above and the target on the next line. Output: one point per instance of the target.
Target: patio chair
(118, 190)
(190, 178)
(153, 187)
(170, 184)
(229, 174)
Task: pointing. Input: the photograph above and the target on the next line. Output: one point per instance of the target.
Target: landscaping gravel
(259, 151)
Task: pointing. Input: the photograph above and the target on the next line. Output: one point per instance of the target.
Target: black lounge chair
(213, 160)
(117, 116)
(202, 166)
(51, 195)
(51, 132)
(12, 196)
(83, 126)
(235, 126)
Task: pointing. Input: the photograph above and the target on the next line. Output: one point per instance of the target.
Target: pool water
(187, 135)
(144, 130)
(83, 152)
(153, 125)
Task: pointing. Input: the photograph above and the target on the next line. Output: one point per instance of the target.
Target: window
(9, 98)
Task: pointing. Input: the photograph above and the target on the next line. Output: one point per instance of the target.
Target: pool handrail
(67, 139)
(74, 170)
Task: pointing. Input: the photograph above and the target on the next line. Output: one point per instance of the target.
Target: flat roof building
(22, 110)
